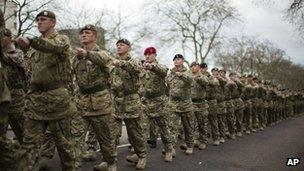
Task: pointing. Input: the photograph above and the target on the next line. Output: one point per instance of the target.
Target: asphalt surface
(263, 150)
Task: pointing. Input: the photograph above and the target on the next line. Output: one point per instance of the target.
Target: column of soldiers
(70, 91)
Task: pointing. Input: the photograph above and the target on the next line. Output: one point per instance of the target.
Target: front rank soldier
(125, 72)
(94, 100)
(198, 96)
(48, 103)
(16, 75)
(179, 83)
(154, 98)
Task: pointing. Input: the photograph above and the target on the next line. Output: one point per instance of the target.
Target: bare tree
(195, 24)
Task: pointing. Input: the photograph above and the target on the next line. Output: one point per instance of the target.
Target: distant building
(73, 34)
(10, 15)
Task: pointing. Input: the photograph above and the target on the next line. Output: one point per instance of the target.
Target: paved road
(266, 150)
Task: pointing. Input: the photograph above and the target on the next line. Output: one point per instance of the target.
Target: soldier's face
(6, 40)
(203, 70)
(215, 73)
(150, 57)
(44, 24)
(195, 68)
(122, 48)
(178, 61)
(87, 37)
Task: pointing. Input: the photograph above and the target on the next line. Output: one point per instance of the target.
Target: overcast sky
(264, 21)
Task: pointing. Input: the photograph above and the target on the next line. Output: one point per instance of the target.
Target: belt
(92, 89)
(46, 87)
(197, 100)
(150, 95)
(175, 98)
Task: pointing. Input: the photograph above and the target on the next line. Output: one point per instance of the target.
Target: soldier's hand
(23, 42)
(148, 66)
(116, 63)
(81, 53)
(179, 74)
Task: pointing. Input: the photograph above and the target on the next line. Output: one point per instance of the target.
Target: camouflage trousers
(136, 134)
(221, 119)
(230, 117)
(255, 113)
(15, 113)
(153, 131)
(187, 120)
(247, 115)
(161, 123)
(7, 151)
(201, 125)
(239, 119)
(33, 134)
(213, 120)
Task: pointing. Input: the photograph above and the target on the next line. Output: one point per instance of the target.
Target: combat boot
(168, 156)
(132, 158)
(222, 140)
(216, 142)
(112, 167)
(90, 155)
(189, 151)
(196, 143)
(103, 166)
(239, 134)
(183, 146)
(44, 163)
(202, 146)
(232, 136)
(247, 132)
(141, 165)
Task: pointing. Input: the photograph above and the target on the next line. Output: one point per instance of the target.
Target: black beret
(215, 69)
(124, 41)
(89, 27)
(46, 13)
(204, 65)
(194, 63)
(178, 56)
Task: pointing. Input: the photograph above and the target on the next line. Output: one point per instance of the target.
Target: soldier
(48, 103)
(16, 74)
(94, 100)
(179, 84)
(231, 94)
(238, 104)
(212, 95)
(125, 86)
(154, 98)
(198, 97)
(221, 104)
(246, 97)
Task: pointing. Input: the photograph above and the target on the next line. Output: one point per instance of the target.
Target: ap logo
(292, 161)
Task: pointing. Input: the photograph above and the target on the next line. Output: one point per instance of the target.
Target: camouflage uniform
(48, 103)
(94, 101)
(154, 100)
(7, 159)
(16, 75)
(231, 94)
(261, 93)
(255, 106)
(246, 97)
(222, 108)
(212, 93)
(239, 107)
(128, 107)
(180, 104)
(198, 96)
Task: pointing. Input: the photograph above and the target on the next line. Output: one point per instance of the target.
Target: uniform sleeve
(202, 80)
(99, 57)
(60, 45)
(131, 66)
(186, 77)
(160, 70)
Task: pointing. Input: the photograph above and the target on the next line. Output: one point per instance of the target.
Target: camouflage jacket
(180, 90)
(93, 79)
(154, 90)
(125, 84)
(16, 73)
(51, 72)
(5, 95)
(213, 88)
(199, 86)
